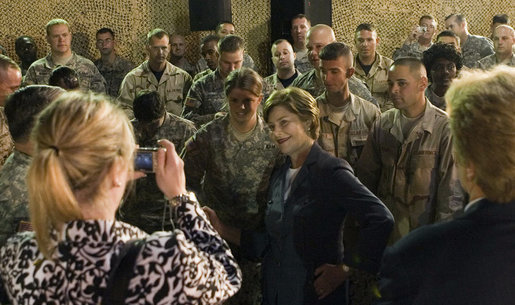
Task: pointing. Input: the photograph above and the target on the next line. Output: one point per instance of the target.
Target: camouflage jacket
(23, 69)
(272, 83)
(145, 207)
(346, 139)
(248, 62)
(184, 64)
(205, 98)
(491, 61)
(89, 76)
(413, 49)
(14, 197)
(438, 101)
(228, 175)
(114, 74)
(376, 79)
(172, 87)
(6, 141)
(201, 74)
(201, 64)
(302, 62)
(475, 48)
(415, 177)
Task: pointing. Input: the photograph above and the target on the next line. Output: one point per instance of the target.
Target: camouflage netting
(132, 19)
(394, 19)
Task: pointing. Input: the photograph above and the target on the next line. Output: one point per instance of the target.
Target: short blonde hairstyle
(158, 34)
(298, 102)
(53, 22)
(77, 138)
(482, 119)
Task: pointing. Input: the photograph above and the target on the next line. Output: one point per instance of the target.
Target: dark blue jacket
(469, 260)
(305, 231)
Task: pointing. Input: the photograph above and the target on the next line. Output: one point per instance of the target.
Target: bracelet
(181, 199)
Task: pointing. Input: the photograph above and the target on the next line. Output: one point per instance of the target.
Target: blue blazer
(469, 260)
(311, 219)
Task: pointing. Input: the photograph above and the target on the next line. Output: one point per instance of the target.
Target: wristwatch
(182, 198)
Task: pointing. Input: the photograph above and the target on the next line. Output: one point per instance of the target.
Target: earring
(117, 183)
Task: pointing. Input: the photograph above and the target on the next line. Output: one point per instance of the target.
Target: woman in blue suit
(304, 261)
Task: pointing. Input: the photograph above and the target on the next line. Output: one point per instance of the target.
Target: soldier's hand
(170, 176)
(213, 219)
(227, 232)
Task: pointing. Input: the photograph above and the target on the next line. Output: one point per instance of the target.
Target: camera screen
(144, 161)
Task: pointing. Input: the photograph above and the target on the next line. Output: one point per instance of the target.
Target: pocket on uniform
(358, 137)
(423, 159)
(326, 141)
(422, 174)
(380, 87)
(216, 101)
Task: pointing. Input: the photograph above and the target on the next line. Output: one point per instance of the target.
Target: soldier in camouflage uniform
(6, 142)
(504, 40)
(209, 52)
(228, 163)
(201, 74)
(10, 80)
(112, 67)
(312, 82)
(345, 119)
(498, 20)
(21, 110)
(370, 66)
(227, 28)
(157, 74)
(407, 160)
(59, 37)
(27, 51)
(300, 25)
(178, 50)
(318, 37)
(473, 47)
(206, 96)
(448, 37)
(283, 58)
(200, 67)
(419, 40)
(202, 64)
(146, 207)
(443, 63)
(302, 62)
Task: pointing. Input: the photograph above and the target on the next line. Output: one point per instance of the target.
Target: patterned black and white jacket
(192, 265)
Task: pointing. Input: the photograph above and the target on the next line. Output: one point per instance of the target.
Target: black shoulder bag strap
(4, 299)
(122, 271)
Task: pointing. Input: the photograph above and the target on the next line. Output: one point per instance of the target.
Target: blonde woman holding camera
(83, 161)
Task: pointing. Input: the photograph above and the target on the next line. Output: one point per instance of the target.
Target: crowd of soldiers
(386, 117)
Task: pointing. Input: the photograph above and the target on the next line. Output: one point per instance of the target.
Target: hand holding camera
(169, 170)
